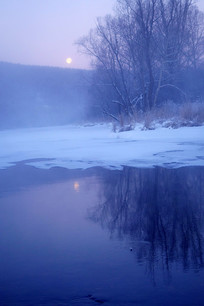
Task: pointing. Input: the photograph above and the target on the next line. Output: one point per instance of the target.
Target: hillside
(41, 96)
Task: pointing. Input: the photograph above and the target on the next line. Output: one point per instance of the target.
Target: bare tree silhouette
(159, 210)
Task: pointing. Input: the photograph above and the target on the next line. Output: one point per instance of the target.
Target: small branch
(136, 100)
(116, 102)
(112, 116)
(171, 85)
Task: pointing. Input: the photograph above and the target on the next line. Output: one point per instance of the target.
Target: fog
(39, 96)
(33, 96)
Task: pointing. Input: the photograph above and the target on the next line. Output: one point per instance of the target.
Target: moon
(68, 60)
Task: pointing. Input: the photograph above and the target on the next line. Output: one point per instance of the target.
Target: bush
(168, 115)
(174, 115)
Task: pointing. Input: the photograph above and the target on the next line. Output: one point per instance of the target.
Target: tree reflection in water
(160, 211)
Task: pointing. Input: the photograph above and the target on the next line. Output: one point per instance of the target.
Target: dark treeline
(40, 96)
(147, 53)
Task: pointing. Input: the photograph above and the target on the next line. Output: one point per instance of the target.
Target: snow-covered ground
(97, 145)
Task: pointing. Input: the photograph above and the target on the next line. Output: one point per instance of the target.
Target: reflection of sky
(76, 186)
(40, 32)
(52, 252)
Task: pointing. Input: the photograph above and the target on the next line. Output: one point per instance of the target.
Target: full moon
(68, 60)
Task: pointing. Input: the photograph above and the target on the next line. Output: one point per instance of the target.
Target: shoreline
(20, 175)
(85, 147)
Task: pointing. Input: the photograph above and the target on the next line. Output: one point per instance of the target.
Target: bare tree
(104, 44)
(193, 51)
(141, 44)
(139, 51)
(172, 37)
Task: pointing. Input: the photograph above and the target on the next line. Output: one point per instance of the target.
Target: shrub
(174, 115)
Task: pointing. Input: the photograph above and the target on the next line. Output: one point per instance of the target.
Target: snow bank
(83, 147)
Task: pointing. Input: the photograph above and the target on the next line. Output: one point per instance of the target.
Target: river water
(98, 236)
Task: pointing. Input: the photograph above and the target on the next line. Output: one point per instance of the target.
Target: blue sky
(43, 32)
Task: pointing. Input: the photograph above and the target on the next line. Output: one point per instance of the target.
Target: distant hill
(41, 96)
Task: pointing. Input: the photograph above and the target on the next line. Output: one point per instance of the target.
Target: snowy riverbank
(83, 147)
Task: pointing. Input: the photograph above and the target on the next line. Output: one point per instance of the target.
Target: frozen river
(96, 145)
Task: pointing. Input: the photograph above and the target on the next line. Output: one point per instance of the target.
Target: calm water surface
(92, 237)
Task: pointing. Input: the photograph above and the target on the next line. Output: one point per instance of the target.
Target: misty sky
(43, 32)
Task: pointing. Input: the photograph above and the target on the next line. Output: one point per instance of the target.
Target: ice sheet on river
(97, 145)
